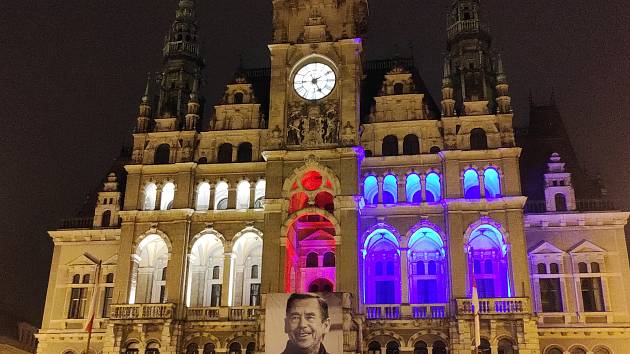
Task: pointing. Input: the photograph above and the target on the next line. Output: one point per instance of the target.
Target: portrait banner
(304, 323)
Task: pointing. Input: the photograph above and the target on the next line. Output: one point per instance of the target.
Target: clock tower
(312, 149)
(316, 73)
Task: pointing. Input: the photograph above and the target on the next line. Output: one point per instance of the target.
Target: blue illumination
(370, 190)
(390, 190)
(492, 183)
(433, 187)
(471, 185)
(381, 286)
(413, 189)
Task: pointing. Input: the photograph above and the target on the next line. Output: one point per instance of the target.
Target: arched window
(595, 267)
(390, 146)
(221, 196)
(243, 193)
(492, 183)
(390, 190)
(168, 195)
(542, 268)
(150, 196)
(413, 189)
(420, 347)
(205, 275)
(393, 348)
(298, 202)
(132, 348)
(238, 98)
(582, 267)
(203, 196)
(381, 246)
(76, 279)
(192, 348)
(398, 88)
(225, 153)
(235, 348)
(471, 184)
(320, 285)
(601, 350)
(484, 348)
(312, 260)
(259, 194)
(506, 346)
(209, 348)
(244, 153)
(554, 351)
(149, 282)
(152, 348)
(202, 160)
(487, 254)
(411, 145)
(251, 348)
(433, 188)
(370, 190)
(325, 201)
(247, 252)
(434, 149)
(561, 202)
(554, 268)
(86, 279)
(428, 278)
(254, 272)
(329, 259)
(578, 351)
(478, 139)
(374, 348)
(109, 278)
(106, 218)
(439, 347)
(162, 154)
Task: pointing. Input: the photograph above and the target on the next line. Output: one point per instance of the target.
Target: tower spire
(144, 114)
(182, 62)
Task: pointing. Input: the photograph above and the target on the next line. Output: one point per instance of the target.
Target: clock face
(314, 81)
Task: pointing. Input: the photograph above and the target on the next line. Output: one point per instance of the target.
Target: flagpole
(92, 313)
(475, 305)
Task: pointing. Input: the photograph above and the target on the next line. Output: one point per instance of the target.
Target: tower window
(390, 146)
(398, 89)
(244, 153)
(561, 202)
(238, 98)
(411, 145)
(106, 218)
(225, 153)
(478, 139)
(162, 154)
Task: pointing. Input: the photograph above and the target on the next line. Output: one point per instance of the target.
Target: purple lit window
(471, 184)
(487, 254)
(370, 190)
(428, 279)
(390, 190)
(413, 189)
(381, 268)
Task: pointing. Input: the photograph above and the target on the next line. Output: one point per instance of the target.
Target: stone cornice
(461, 204)
(165, 168)
(85, 235)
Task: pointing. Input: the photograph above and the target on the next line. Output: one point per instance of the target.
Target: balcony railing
(142, 311)
(395, 312)
(540, 206)
(221, 313)
(77, 223)
(471, 26)
(507, 306)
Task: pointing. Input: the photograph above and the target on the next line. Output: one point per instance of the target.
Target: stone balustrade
(221, 313)
(495, 306)
(415, 311)
(142, 311)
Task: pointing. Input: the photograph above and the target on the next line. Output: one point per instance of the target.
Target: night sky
(72, 73)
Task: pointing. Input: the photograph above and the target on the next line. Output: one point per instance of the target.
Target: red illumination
(324, 200)
(312, 180)
(298, 202)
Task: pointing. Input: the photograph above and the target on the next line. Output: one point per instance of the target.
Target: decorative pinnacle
(195, 90)
(145, 97)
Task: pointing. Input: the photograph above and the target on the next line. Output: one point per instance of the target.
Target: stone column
(404, 276)
(252, 195)
(379, 179)
(211, 197)
(482, 186)
(231, 197)
(423, 187)
(227, 271)
(402, 190)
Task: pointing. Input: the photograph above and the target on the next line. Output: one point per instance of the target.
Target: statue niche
(313, 124)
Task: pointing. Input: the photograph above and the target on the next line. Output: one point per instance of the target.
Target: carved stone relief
(313, 124)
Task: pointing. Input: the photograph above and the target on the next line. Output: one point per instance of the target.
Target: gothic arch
(578, 346)
(552, 346)
(201, 339)
(502, 336)
(377, 226)
(310, 211)
(238, 337)
(311, 165)
(485, 220)
(424, 335)
(238, 235)
(375, 336)
(208, 231)
(153, 231)
(424, 223)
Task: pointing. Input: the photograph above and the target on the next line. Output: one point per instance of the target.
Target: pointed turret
(108, 204)
(475, 72)
(182, 65)
(144, 114)
(192, 117)
(559, 192)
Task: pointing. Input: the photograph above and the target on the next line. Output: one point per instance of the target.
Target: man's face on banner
(305, 326)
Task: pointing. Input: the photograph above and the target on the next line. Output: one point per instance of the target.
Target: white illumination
(314, 81)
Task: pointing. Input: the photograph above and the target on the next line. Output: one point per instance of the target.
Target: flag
(92, 312)
(475, 304)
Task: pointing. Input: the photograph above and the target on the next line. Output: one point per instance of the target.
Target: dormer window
(238, 98)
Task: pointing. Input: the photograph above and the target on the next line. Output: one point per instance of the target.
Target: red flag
(92, 312)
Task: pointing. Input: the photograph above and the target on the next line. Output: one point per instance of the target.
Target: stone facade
(398, 209)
